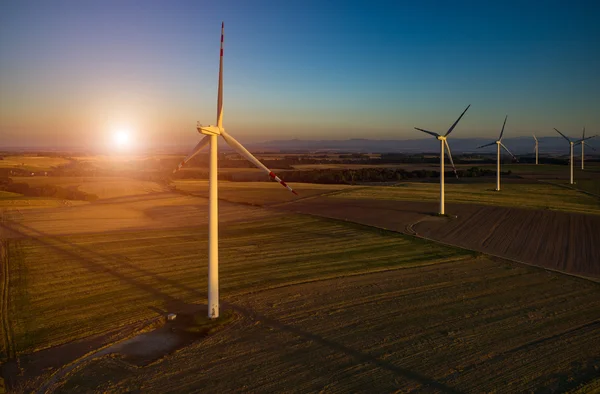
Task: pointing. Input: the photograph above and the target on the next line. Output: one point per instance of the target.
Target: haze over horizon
(71, 73)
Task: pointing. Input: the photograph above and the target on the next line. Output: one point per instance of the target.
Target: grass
(66, 288)
(258, 193)
(588, 185)
(534, 196)
(11, 201)
(32, 163)
(103, 187)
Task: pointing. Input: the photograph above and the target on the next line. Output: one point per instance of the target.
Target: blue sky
(73, 71)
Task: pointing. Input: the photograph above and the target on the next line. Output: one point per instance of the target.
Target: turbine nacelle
(209, 130)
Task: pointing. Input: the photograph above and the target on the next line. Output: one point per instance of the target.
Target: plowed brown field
(568, 242)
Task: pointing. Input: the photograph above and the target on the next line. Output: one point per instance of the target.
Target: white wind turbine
(536, 148)
(582, 145)
(211, 136)
(571, 144)
(444, 144)
(499, 144)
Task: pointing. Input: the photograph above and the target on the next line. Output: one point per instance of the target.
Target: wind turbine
(536, 148)
(571, 144)
(444, 144)
(582, 145)
(211, 137)
(499, 144)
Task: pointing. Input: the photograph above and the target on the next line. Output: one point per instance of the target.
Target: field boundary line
(275, 204)
(421, 237)
(570, 188)
(324, 194)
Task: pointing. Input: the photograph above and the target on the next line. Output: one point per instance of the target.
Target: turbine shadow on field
(178, 305)
(357, 355)
(134, 198)
(79, 252)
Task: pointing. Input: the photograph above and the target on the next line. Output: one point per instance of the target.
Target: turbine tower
(211, 137)
(500, 144)
(536, 148)
(582, 145)
(571, 144)
(444, 144)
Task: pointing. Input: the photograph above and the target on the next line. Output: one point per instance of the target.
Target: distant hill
(518, 145)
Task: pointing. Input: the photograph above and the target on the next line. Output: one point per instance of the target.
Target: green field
(10, 201)
(588, 185)
(258, 193)
(103, 187)
(70, 287)
(535, 195)
(32, 163)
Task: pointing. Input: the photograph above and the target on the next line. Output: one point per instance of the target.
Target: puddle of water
(151, 346)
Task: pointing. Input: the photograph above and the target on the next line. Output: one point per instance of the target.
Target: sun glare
(121, 138)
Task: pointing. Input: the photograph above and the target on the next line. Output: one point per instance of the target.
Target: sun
(121, 138)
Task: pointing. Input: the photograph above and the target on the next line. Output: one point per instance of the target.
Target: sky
(74, 72)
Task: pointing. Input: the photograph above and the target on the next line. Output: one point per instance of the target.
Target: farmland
(73, 286)
(102, 187)
(257, 193)
(167, 262)
(553, 239)
(326, 301)
(32, 163)
(468, 326)
(530, 195)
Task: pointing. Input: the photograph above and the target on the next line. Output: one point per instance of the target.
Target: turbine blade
(564, 136)
(428, 132)
(450, 157)
(583, 139)
(490, 144)
(583, 136)
(590, 146)
(457, 120)
(220, 94)
(244, 153)
(536, 140)
(509, 152)
(203, 142)
(502, 132)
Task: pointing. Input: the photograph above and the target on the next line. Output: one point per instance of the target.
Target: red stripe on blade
(272, 175)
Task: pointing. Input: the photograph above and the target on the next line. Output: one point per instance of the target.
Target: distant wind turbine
(499, 144)
(571, 143)
(444, 144)
(582, 145)
(211, 133)
(536, 148)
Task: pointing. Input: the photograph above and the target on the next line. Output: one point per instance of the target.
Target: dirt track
(568, 242)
